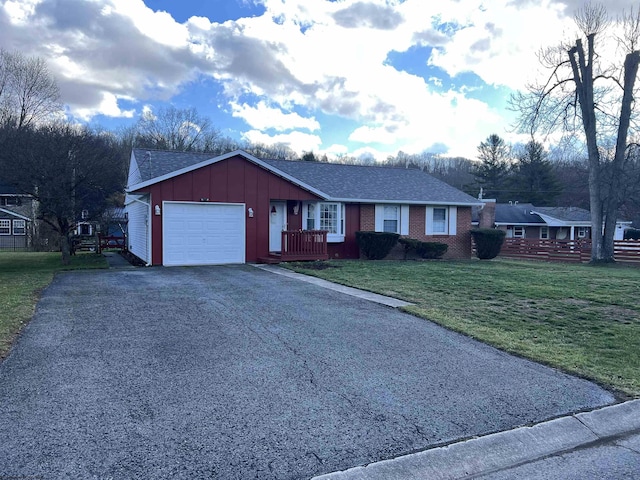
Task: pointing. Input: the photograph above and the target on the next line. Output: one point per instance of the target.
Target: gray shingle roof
(156, 163)
(566, 214)
(336, 181)
(517, 214)
(521, 213)
(357, 182)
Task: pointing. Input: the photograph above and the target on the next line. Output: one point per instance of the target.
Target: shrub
(423, 249)
(488, 242)
(632, 234)
(376, 245)
(408, 244)
(432, 249)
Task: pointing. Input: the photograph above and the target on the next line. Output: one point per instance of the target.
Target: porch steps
(272, 259)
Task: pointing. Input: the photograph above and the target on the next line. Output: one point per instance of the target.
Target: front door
(277, 223)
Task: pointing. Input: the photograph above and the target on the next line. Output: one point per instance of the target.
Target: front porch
(299, 245)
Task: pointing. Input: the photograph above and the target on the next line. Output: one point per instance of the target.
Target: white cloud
(263, 117)
(336, 149)
(325, 58)
(108, 106)
(19, 11)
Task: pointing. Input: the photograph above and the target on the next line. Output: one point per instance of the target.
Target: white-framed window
(310, 216)
(544, 233)
(5, 227)
(19, 227)
(518, 231)
(441, 220)
(10, 201)
(328, 216)
(582, 232)
(391, 219)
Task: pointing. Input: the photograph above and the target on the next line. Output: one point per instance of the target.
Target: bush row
(429, 250)
(377, 245)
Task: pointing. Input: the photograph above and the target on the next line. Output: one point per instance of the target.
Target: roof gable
(330, 181)
(14, 214)
(565, 214)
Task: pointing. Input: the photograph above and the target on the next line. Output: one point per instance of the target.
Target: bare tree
(171, 128)
(28, 92)
(585, 93)
(67, 169)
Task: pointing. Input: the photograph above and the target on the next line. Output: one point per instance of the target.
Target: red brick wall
(459, 244)
(367, 218)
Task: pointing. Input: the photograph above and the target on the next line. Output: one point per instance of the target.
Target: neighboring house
(114, 222)
(192, 209)
(17, 218)
(524, 220)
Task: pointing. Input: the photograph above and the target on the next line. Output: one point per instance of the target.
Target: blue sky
(356, 77)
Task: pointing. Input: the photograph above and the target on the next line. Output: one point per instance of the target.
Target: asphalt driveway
(234, 372)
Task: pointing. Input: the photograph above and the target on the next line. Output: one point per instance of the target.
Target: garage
(195, 233)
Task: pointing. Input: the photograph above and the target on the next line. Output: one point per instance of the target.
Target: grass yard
(584, 320)
(22, 278)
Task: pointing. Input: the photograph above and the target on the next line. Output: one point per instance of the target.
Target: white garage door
(202, 233)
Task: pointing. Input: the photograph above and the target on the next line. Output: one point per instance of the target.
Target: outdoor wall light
(296, 208)
(273, 210)
(250, 210)
(156, 209)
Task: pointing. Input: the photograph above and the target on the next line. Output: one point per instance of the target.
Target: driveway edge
(354, 292)
(506, 449)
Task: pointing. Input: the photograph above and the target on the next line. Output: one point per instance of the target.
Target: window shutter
(429, 221)
(404, 220)
(453, 220)
(379, 225)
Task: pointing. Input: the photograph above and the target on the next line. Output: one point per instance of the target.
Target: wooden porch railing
(566, 250)
(304, 245)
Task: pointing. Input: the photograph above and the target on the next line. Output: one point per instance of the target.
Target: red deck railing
(304, 245)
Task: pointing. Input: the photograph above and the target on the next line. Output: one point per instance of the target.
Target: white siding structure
(138, 211)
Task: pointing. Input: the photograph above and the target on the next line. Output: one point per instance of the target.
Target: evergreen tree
(493, 171)
(533, 179)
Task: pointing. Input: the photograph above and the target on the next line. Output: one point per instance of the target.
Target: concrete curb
(354, 292)
(503, 450)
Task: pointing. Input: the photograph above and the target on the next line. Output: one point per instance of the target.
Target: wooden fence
(627, 251)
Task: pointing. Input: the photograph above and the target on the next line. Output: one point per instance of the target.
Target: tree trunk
(612, 201)
(582, 68)
(65, 248)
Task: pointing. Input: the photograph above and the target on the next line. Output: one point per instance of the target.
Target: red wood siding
(348, 248)
(234, 180)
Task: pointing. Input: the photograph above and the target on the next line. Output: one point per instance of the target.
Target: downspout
(148, 205)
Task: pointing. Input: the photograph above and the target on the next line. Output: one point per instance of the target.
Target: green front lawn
(22, 278)
(581, 319)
